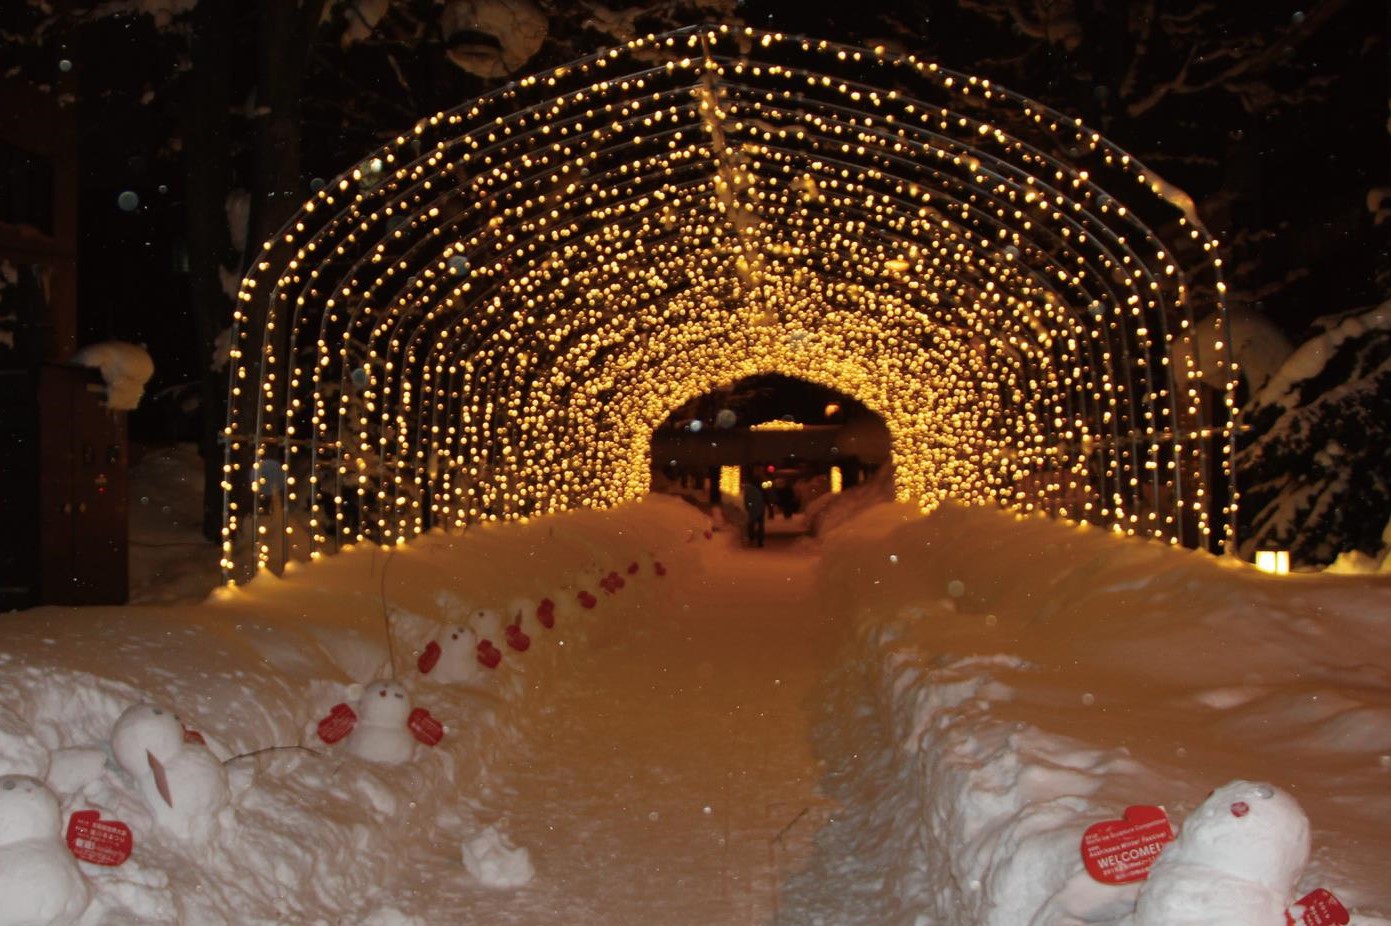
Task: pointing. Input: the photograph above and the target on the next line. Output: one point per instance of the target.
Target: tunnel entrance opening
(798, 440)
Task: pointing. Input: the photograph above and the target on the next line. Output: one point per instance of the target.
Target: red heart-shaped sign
(488, 654)
(429, 658)
(194, 737)
(1121, 851)
(516, 639)
(101, 842)
(1318, 908)
(587, 600)
(633, 568)
(545, 613)
(339, 723)
(424, 727)
(659, 569)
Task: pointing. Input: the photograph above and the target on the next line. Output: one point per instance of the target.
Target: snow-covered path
(984, 688)
(685, 744)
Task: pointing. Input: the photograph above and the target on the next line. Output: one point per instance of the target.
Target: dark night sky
(1301, 172)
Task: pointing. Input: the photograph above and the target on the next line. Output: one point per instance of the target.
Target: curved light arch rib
(488, 317)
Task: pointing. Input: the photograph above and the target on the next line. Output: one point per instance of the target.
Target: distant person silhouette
(787, 500)
(756, 507)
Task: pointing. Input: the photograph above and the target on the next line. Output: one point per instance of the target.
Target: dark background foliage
(1272, 116)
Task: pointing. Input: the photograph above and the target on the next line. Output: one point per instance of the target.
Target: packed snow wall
(488, 317)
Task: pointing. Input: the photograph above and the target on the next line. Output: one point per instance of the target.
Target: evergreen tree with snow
(1314, 462)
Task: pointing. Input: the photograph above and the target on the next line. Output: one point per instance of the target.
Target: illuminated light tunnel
(488, 317)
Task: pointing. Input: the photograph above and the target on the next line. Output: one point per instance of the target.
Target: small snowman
(523, 623)
(491, 628)
(1235, 861)
(453, 658)
(611, 581)
(582, 595)
(383, 728)
(40, 884)
(184, 784)
(656, 566)
(566, 602)
(544, 615)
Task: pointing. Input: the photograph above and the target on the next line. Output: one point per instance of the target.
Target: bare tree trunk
(284, 34)
(208, 179)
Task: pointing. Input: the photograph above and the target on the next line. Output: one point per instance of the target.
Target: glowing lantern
(730, 483)
(1275, 562)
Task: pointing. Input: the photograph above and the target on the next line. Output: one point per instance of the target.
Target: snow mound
(1006, 683)
(492, 860)
(282, 826)
(1013, 681)
(125, 367)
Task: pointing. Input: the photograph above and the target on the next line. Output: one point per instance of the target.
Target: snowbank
(1006, 684)
(1016, 680)
(309, 833)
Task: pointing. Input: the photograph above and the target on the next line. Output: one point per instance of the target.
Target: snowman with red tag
(1236, 860)
(453, 658)
(582, 590)
(491, 628)
(384, 728)
(564, 603)
(39, 879)
(611, 582)
(545, 613)
(524, 623)
(183, 783)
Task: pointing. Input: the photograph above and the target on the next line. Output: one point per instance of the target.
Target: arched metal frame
(488, 317)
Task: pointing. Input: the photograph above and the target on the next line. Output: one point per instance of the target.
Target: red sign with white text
(1318, 908)
(101, 842)
(1121, 851)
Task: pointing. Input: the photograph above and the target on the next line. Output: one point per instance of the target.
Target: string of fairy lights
(488, 317)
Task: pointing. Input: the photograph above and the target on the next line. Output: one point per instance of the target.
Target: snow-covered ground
(908, 720)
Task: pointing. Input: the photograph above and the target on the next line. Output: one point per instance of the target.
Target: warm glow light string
(489, 317)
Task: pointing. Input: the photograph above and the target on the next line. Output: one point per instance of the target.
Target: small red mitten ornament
(338, 724)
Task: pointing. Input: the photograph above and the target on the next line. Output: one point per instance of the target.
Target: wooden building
(63, 505)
